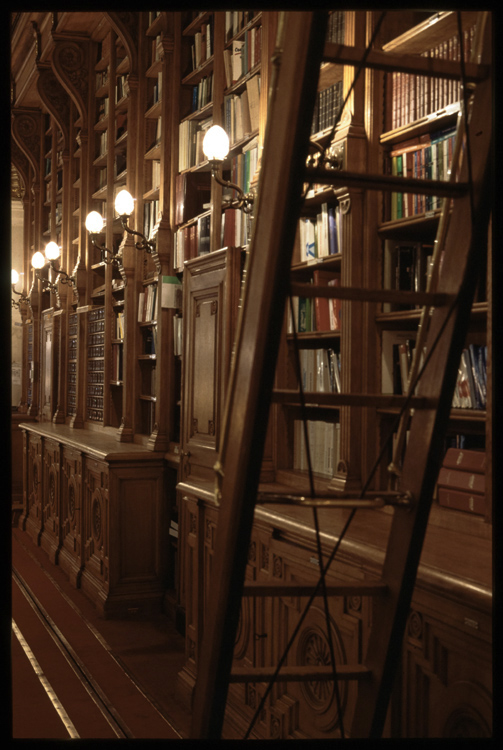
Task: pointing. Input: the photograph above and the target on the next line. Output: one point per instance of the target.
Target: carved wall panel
(136, 517)
(444, 687)
(33, 522)
(95, 575)
(71, 556)
(446, 681)
(51, 538)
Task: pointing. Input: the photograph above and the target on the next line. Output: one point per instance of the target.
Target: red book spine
(459, 500)
(465, 460)
(461, 480)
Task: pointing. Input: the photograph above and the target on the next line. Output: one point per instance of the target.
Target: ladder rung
(392, 183)
(379, 500)
(388, 61)
(299, 674)
(328, 399)
(314, 413)
(369, 588)
(399, 296)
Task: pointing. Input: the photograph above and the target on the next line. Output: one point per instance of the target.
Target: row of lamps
(215, 148)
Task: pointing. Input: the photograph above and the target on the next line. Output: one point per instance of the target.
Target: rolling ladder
(445, 319)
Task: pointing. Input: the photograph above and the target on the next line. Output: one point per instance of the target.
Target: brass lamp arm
(147, 245)
(243, 201)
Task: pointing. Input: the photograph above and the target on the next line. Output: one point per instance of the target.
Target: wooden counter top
(95, 443)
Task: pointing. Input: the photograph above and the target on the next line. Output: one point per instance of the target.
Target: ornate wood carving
(126, 25)
(56, 99)
(71, 66)
(26, 132)
(21, 165)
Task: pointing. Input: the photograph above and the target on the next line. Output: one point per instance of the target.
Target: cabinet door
(211, 293)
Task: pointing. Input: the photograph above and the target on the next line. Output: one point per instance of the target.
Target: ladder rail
(279, 202)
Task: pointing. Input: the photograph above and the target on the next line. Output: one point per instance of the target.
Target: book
(465, 460)
(236, 64)
(333, 222)
(171, 292)
(335, 306)
(461, 480)
(321, 304)
(469, 502)
(404, 351)
(253, 89)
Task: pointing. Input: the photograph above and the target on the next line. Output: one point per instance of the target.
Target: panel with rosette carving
(51, 539)
(70, 557)
(446, 677)
(95, 539)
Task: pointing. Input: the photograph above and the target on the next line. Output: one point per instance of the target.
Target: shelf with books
(191, 240)
(95, 381)
(72, 360)
(243, 45)
(415, 98)
(418, 141)
(147, 362)
(199, 34)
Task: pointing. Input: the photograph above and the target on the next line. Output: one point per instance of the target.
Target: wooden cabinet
(99, 508)
(447, 651)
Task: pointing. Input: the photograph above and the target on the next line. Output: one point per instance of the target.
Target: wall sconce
(23, 299)
(38, 262)
(94, 225)
(124, 205)
(216, 148)
(51, 254)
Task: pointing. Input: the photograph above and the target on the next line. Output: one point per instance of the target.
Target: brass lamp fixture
(23, 299)
(52, 253)
(124, 206)
(216, 148)
(94, 225)
(38, 262)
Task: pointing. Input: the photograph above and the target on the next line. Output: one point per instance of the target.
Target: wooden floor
(77, 675)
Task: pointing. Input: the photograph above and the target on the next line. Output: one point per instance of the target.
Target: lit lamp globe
(94, 222)
(52, 251)
(14, 277)
(216, 144)
(124, 203)
(38, 260)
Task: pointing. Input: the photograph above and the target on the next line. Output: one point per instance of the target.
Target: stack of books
(461, 481)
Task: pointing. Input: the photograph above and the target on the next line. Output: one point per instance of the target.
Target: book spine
(461, 480)
(465, 460)
(465, 501)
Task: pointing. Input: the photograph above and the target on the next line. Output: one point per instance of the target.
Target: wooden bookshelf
(134, 401)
